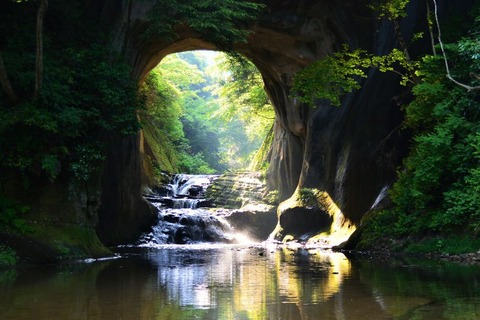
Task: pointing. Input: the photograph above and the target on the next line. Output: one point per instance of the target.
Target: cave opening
(206, 112)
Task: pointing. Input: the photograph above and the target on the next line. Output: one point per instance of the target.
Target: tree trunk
(39, 56)
(6, 85)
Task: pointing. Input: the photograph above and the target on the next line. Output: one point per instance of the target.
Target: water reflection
(232, 282)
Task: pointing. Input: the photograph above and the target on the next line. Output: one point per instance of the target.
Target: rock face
(123, 213)
(60, 223)
(250, 206)
(349, 153)
(234, 190)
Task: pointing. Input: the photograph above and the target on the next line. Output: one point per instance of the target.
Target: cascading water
(188, 191)
(191, 185)
(181, 220)
(186, 226)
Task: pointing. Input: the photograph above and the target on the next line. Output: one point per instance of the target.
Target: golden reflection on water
(264, 282)
(328, 271)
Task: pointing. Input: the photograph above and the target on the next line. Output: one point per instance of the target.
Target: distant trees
(244, 108)
(221, 109)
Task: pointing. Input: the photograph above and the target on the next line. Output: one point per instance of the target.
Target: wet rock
(256, 225)
(171, 218)
(235, 190)
(182, 236)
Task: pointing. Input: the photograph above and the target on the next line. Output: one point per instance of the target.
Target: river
(192, 266)
(219, 281)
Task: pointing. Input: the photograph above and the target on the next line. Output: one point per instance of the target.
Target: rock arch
(350, 153)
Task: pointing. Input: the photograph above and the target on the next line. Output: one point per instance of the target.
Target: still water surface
(239, 282)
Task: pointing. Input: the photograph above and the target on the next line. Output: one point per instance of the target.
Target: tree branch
(39, 55)
(442, 48)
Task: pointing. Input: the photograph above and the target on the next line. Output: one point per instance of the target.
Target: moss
(47, 243)
(163, 154)
(308, 197)
(273, 197)
(70, 241)
(260, 161)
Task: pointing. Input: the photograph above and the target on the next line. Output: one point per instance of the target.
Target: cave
(337, 245)
(350, 152)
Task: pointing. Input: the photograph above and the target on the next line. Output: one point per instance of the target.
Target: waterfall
(186, 184)
(188, 191)
(187, 226)
(181, 221)
(184, 216)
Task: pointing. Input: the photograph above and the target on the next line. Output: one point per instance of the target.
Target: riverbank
(47, 244)
(462, 250)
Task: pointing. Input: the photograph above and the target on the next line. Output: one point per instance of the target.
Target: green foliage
(8, 257)
(86, 93)
(239, 87)
(195, 164)
(85, 161)
(331, 77)
(203, 142)
(340, 73)
(397, 62)
(7, 275)
(334, 76)
(222, 23)
(390, 9)
(244, 109)
(202, 113)
(11, 216)
(174, 118)
(438, 188)
(448, 245)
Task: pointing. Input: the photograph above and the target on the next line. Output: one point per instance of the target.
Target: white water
(188, 191)
(183, 222)
(183, 182)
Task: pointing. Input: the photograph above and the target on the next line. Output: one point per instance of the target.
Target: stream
(193, 265)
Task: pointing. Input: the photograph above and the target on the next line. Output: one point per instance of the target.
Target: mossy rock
(49, 244)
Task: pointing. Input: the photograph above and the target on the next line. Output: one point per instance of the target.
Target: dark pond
(239, 282)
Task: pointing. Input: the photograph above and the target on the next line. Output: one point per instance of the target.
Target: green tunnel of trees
(206, 112)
